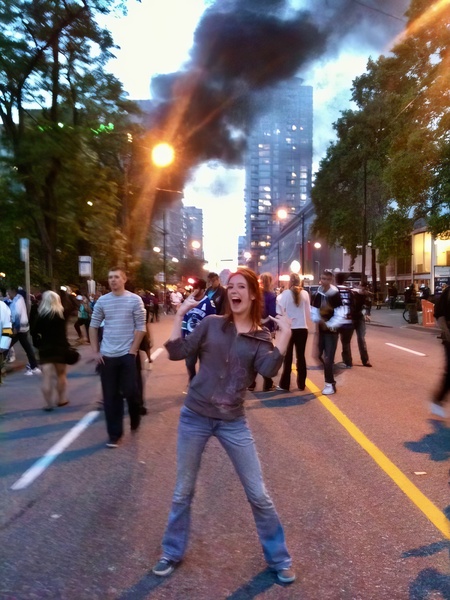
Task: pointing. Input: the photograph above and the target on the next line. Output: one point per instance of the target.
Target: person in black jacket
(49, 336)
(217, 293)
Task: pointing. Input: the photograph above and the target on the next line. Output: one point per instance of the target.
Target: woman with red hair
(232, 349)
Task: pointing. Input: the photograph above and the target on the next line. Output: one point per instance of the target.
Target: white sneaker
(29, 373)
(328, 389)
(438, 410)
(36, 371)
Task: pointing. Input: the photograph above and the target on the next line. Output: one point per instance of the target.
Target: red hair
(254, 291)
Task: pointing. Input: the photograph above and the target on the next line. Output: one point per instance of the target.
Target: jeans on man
(194, 431)
(360, 328)
(24, 340)
(327, 349)
(119, 381)
(346, 334)
(444, 386)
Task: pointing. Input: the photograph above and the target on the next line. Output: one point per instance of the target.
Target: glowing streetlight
(295, 266)
(156, 249)
(282, 214)
(163, 154)
(317, 245)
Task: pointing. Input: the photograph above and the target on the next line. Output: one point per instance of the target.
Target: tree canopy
(390, 163)
(66, 177)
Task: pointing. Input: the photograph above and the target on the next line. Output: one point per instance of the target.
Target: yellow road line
(430, 510)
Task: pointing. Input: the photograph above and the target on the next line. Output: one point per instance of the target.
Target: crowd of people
(227, 336)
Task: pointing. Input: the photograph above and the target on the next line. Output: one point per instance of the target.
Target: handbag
(71, 356)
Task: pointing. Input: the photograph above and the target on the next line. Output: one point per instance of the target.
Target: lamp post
(317, 246)
(281, 214)
(163, 155)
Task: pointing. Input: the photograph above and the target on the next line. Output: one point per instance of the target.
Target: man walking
(328, 312)
(123, 314)
(21, 327)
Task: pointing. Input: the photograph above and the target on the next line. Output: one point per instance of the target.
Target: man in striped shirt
(123, 314)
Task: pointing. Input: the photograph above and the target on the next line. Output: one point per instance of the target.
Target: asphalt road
(360, 480)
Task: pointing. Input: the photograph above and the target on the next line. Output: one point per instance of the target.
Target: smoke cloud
(242, 47)
(241, 50)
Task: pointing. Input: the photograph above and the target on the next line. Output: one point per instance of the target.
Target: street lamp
(163, 155)
(318, 270)
(281, 214)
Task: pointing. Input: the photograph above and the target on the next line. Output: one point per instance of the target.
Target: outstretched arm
(185, 307)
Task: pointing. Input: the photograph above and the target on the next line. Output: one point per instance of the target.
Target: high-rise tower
(278, 165)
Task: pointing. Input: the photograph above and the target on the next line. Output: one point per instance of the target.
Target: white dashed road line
(41, 464)
(405, 349)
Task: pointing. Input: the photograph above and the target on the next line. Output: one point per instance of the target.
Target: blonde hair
(50, 305)
(294, 284)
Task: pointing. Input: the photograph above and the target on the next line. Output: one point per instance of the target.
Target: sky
(156, 37)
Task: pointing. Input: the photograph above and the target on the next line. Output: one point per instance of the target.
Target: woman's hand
(187, 305)
(283, 322)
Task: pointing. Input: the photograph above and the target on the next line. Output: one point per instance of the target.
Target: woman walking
(294, 302)
(232, 349)
(49, 336)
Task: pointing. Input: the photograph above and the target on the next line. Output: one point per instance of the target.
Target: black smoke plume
(241, 50)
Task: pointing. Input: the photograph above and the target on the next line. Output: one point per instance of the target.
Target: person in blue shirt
(193, 317)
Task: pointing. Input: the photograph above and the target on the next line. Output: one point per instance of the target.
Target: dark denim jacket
(229, 362)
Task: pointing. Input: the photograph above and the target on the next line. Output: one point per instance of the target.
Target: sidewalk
(385, 317)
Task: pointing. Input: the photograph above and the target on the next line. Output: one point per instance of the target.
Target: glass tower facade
(278, 166)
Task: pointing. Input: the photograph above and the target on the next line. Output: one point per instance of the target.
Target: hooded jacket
(229, 362)
(327, 309)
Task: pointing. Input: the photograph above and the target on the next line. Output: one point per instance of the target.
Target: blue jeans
(360, 328)
(235, 436)
(327, 349)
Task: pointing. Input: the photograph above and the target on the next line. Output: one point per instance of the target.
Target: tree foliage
(65, 134)
(398, 138)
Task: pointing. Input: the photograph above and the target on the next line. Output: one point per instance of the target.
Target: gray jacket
(229, 362)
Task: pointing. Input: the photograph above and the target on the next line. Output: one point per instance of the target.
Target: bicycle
(406, 315)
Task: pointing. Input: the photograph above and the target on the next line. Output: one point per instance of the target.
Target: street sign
(24, 249)
(85, 266)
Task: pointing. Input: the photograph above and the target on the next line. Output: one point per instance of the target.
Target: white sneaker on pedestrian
(29, 373)
(328, 389)
(36, 371)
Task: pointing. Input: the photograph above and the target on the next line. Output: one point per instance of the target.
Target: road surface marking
(39, 466)
(430, 510)
(405, 349)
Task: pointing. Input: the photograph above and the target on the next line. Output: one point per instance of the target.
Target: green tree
(399, 135)
(52, 55)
